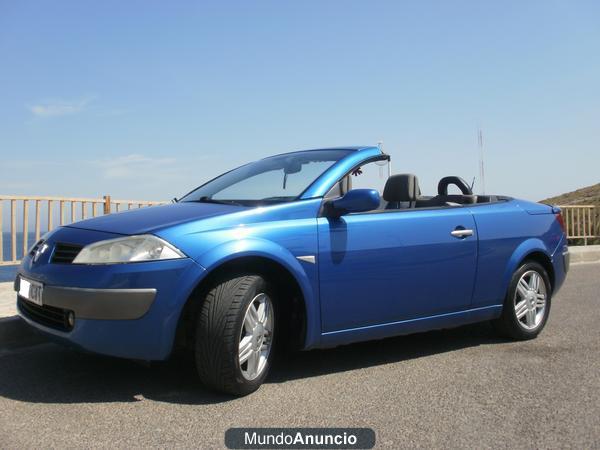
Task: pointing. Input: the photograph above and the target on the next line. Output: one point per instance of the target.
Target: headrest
(457, 181)
(401, 188)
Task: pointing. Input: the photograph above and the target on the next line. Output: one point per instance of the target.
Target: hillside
(589, 195)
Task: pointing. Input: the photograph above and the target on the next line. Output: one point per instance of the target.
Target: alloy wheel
(256, 337)
(530, 300)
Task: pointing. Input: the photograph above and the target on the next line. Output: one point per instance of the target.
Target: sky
(146, 100)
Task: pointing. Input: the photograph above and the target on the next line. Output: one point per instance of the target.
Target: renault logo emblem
(39, 251)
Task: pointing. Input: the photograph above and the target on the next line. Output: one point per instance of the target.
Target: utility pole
(481, 170)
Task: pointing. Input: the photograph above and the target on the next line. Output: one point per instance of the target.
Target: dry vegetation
(589, 195)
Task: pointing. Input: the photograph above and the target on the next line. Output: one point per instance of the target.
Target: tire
(524, 313)
(229, 311)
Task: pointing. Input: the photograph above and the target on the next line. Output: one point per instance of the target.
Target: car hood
(155, 218)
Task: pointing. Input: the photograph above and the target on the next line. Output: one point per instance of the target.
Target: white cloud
(134, 165)
(60, 107)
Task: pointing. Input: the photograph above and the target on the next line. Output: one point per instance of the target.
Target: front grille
(45, 315)
(65, 253)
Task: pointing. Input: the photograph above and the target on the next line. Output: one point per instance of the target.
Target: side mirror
(355, 200)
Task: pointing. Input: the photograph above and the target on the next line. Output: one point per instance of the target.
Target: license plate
(31, 290)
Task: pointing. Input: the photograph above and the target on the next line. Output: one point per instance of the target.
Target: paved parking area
(8, 305)
(454, 388)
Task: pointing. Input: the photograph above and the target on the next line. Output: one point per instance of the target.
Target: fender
(524, 249)
(252, 246)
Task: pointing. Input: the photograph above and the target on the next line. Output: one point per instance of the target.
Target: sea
(8, 273)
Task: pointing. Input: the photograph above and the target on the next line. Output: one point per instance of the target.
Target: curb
(584, 254)
(585, 263)
(15, 333)
(585, 259)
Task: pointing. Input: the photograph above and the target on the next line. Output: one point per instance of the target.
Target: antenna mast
(481, 171)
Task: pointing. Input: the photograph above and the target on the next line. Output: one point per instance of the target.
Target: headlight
(128, 249)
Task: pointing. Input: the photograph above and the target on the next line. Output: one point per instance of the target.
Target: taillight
(561, 222)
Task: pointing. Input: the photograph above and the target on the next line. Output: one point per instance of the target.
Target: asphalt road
(454, 388)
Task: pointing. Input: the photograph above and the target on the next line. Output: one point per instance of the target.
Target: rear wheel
(527, 304)
(235, 335)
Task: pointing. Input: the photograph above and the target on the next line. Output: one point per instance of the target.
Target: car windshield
(276, 179)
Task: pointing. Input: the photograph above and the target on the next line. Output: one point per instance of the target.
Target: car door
(389, 266)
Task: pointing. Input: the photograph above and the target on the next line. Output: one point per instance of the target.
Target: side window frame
(339, 185)
(338, 190)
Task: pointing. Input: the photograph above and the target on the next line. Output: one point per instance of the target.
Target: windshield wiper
(219, 202)
(279, 198)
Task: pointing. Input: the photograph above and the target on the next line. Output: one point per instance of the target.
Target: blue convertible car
(314, 248)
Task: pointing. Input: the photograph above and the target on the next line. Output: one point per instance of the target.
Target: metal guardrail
(57, 210)
(582, 222)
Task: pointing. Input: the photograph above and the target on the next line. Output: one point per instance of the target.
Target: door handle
(461, 233)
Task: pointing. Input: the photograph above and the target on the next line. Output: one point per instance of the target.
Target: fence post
(1, 235)
(25, 226)
(107, 204)
(596, 222)
(13, 230)
(37, 220)
(50, 226)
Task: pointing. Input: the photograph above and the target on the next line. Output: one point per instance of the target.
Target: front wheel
(527, 304)
(235, 335)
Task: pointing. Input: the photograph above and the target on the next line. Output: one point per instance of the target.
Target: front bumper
(123, 310)
(98, 304)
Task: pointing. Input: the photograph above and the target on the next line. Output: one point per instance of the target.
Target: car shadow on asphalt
(50, 373)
